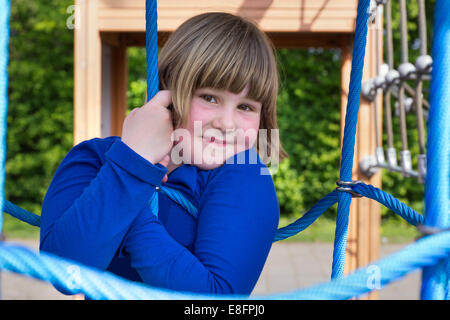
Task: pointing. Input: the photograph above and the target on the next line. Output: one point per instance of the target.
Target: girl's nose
(225, 120)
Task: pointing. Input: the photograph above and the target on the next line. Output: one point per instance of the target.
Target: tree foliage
(40, 113)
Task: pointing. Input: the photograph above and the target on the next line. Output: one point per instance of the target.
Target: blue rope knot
(346, 186)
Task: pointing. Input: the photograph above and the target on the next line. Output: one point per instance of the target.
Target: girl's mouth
(214, 140)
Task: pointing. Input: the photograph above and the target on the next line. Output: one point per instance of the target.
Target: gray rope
(377, 63)
(411, 92)
(419, 83)
(403, 31)
(405, 154)
(404, 54)
(422, 28)
(391, 152)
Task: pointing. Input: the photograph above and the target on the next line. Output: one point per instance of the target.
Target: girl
(219, 83)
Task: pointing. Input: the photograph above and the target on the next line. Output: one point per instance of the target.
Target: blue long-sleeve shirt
(96, 211)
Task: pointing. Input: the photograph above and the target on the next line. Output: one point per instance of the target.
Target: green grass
(16, 229)
(398, 231)
(322, 230)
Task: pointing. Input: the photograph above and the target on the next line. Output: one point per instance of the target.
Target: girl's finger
(165, 161)
(162, 98)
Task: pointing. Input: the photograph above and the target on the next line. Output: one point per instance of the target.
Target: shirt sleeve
(97, 191)
(238, 218)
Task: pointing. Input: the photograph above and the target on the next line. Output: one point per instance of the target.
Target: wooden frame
(108, 27)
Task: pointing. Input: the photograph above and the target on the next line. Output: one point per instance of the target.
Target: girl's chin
(210, 156)
(210, 162)
(205, 166)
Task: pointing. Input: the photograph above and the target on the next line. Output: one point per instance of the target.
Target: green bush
(40, 115)
(309, 122)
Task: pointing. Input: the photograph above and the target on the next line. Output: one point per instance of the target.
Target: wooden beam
(297, 40)
(302, 40)
(270, 15)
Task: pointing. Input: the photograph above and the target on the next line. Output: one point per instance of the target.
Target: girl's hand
(148, 129)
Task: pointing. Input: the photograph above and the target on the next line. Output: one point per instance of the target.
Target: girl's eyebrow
(219, 93)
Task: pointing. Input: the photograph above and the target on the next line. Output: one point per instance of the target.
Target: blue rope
(151, 33)
(22, 214)
(75, 278)
(297, 226)
(437, 181)
(177, 197)
(369, 191)
(424, 252)
(348, 145)
(308, 218)
(410, 215)
(4, 56)
(154, 204)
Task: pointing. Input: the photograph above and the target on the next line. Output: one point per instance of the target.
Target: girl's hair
(221, 51)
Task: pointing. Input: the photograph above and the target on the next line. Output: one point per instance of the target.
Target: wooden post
(87, 65)
(346, 65)
(119, 88)
(114, 83)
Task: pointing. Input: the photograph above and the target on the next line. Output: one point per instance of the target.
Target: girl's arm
(238, 217)
(93, 199)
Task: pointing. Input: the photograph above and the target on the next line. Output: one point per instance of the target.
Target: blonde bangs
(237, 63)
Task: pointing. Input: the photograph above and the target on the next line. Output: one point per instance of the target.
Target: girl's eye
(209, 98)
(245, 107)
(212, 99)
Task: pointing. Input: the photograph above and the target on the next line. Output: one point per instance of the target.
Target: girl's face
(221, 125)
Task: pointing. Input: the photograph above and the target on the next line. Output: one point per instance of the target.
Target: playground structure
(108, 27)
(431, 252)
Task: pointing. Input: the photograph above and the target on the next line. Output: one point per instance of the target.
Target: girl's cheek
(198, 114)
(250, 127)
